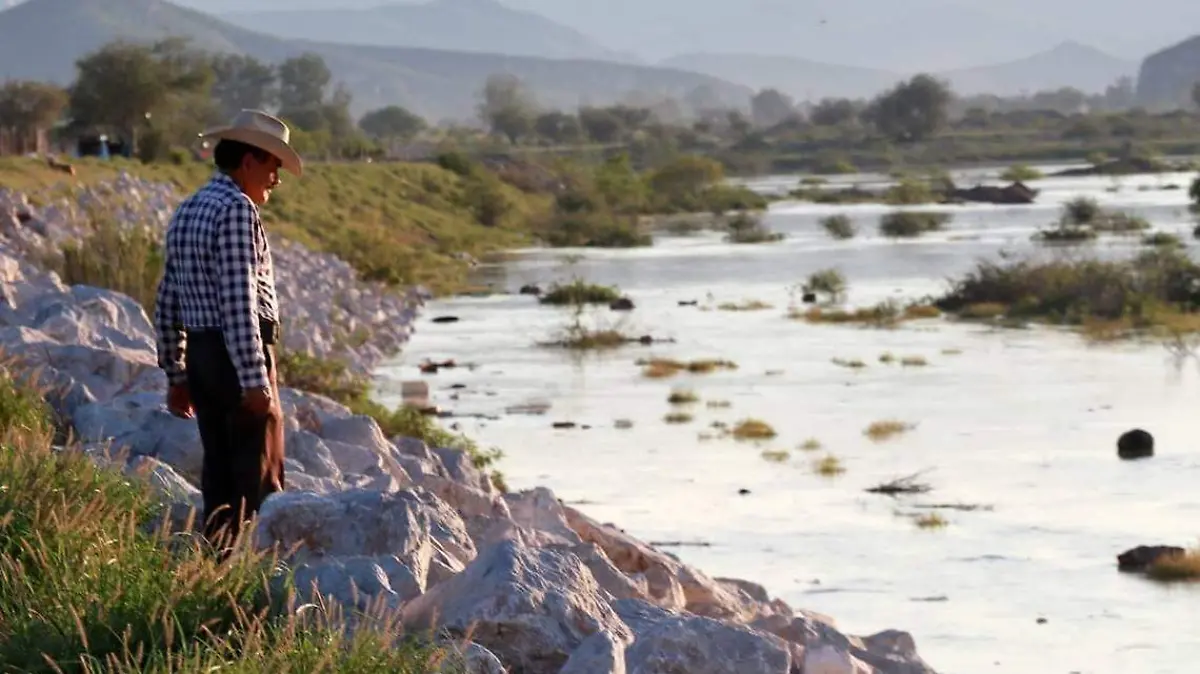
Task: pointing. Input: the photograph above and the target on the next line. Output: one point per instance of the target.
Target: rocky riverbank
(329, 312)
(538, 587)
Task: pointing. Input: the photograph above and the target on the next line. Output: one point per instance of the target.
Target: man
(216, 318)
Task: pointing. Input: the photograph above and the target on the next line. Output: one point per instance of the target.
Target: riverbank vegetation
(1156, 292)
(91, 583)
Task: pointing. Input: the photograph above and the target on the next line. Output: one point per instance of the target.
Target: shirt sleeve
(169, 335)
(237, 292)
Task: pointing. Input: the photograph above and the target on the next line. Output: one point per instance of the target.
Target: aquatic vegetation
(678, 418)
(881, 431)
(911, 224)
(810, 445)
(753, 429)
(683, 397)
(828, 466)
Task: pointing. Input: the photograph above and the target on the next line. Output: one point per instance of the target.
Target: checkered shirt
(218, 277)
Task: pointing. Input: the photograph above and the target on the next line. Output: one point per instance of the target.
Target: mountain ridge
(431, 82)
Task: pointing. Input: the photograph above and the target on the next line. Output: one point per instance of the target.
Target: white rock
(598, 654)
(531, 607)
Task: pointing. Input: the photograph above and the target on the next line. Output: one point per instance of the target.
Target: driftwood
(902, 485)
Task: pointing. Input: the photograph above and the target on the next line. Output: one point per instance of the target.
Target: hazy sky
(896, 34)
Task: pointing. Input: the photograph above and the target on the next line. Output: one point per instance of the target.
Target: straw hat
(265, 132)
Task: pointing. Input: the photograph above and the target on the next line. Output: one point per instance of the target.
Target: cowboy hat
(265, 132)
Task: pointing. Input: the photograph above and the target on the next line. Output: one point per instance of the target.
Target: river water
(1021, 422)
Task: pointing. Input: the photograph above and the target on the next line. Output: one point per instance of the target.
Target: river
(1021, 422)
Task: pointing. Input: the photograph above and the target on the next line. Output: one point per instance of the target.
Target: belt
(268, 330)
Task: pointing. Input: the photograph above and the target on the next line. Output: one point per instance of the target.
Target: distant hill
(800, 78)
(1069, 64)
(460, 25)
(42, 39)
(1166, 77)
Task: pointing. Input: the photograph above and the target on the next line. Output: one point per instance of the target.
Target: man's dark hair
(228, 154)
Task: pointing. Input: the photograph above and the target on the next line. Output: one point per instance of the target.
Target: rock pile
(540, 588)
(328, 311)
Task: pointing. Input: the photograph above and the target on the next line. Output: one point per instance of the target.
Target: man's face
(259, 177)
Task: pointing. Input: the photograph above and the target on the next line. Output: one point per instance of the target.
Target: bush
(580, 292)
(1065, 233)
(1020, 173)
(1081, 211)
(127, 259)
(839, 226)
(909, 192)
(745, 228)
(909, 224)
(1140, 290)
(828, 282)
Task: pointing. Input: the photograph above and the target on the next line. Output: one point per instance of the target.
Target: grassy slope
(88, 588)
(393, 221)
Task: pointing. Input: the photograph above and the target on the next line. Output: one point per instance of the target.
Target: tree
(770, 107)
(130, 87)
(391, 122)
(303, 81)
(602, 125)
(507, 107)
(912, 110)
(688, 174)
(27, 106)
(558, 127)
(833, 112)
(242, 82)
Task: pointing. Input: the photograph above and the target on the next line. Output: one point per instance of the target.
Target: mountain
(1167, 76)
(800, 78)
(42, 39)
(1069, 64)
(459, 25)
(883, 34)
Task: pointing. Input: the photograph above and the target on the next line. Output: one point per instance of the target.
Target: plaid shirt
(218, 277)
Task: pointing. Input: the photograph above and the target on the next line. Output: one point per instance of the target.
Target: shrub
(579, 291)
(1140, 289)
(127, 259)
(909, 191)
(1065, 232)
(744, 228)
(839, 226)
(1020, 173)
(829, 282)
(1081, 211)
(909, 224)
(1163, 240)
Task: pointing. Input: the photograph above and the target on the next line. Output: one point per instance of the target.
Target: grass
(582, 338)
(882, 431)
(1153, 291)
(810, 445)
(745, 228)
(683, 397)
(126, 259)
(887, 358)
(579, 291)
(885, 314)
(719, 404)
(853, 364)
(828, 466)
(911, 224)
(776, 455)
(753, 429)
(678, 418)
(914, 361)
(1020, 173)
(931, 520)
(1162, 239)
(839, 227)
(89, 588)
(662, 368)
(744, 305)
(828, 282)
(395, 222)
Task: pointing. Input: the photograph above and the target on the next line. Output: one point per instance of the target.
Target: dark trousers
(243, 452)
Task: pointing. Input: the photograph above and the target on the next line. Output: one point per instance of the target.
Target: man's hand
(257, 401)
(179, 401)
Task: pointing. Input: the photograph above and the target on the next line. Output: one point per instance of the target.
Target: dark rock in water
(809, 298)
(1135, 444)
(1141, 557)
(564, 424)
(689, 303)
(743, 491)
(1016, 193)
(530, 290)
(622, 304)
(445, 319)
